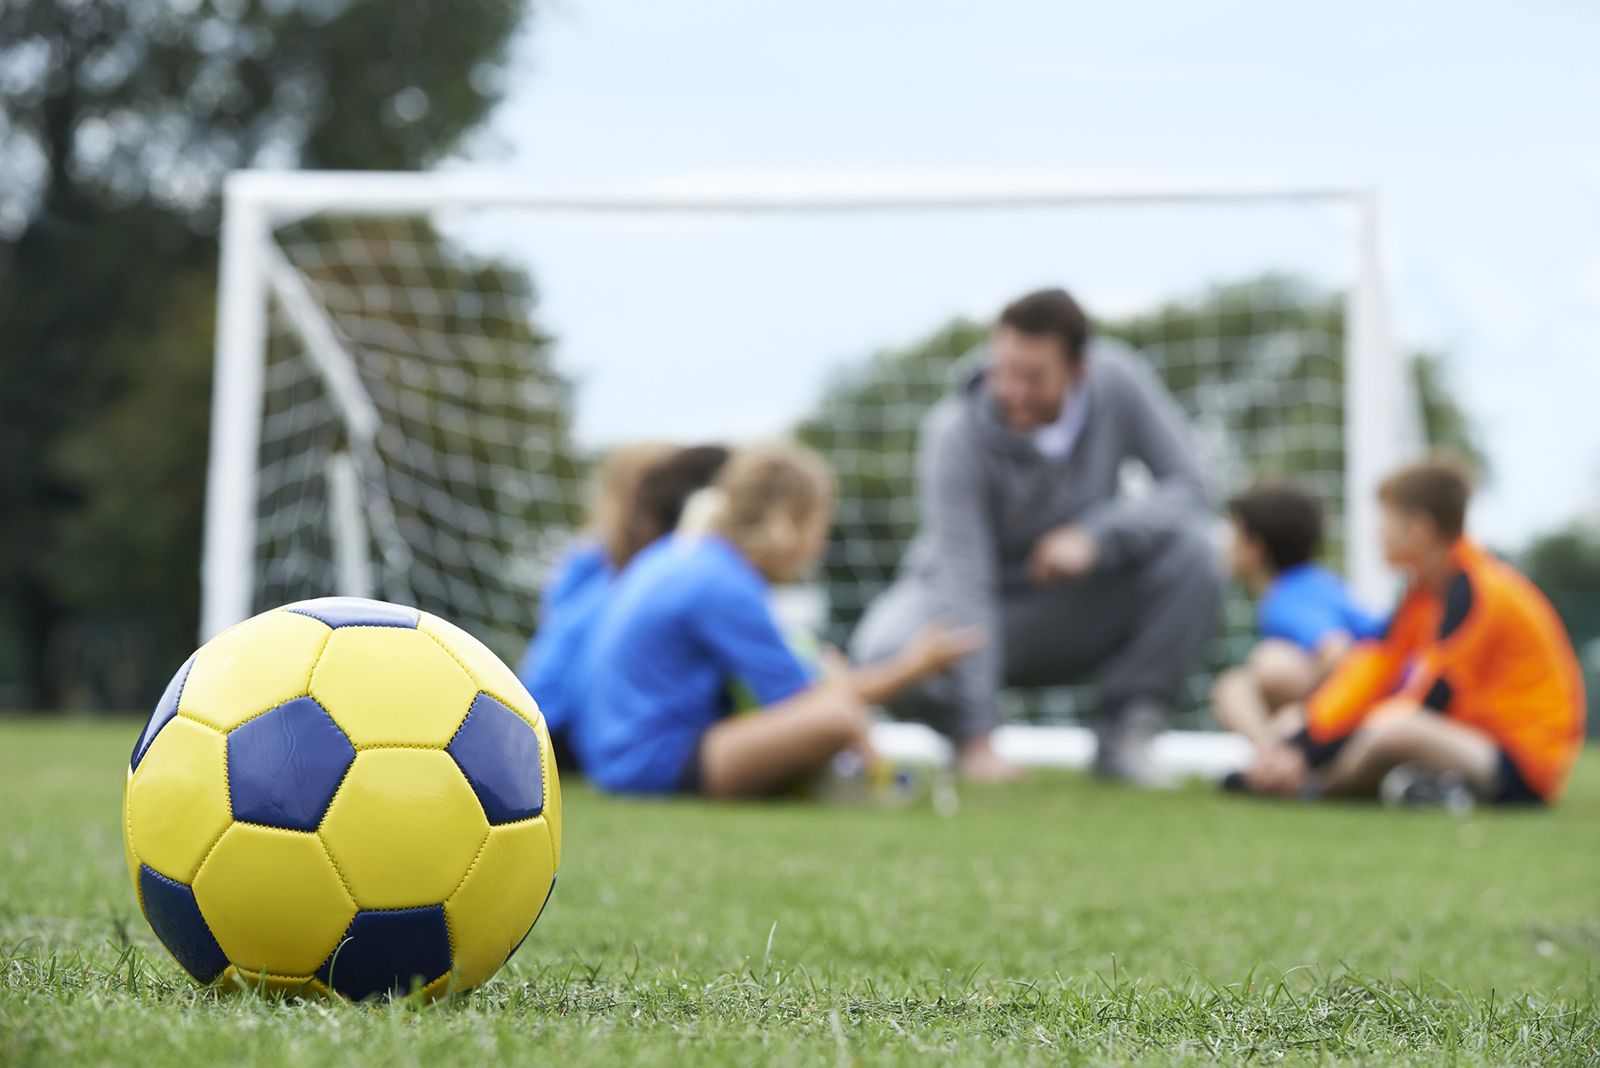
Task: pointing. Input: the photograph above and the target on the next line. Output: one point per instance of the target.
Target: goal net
(417, 372)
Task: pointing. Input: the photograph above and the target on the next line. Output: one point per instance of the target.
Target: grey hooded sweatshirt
(986, 494)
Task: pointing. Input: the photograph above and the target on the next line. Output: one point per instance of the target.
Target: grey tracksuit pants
(1136, 630)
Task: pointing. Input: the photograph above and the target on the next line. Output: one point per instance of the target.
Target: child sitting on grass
(1473, 686)
(689, 624)
(1306, 618)
(643, 490)
(588, 559)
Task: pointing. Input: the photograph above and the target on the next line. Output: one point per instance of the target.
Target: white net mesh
(472, 478)
(468, 485)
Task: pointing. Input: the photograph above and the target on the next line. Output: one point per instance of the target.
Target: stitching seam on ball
(451, 653)
(368, 747)
(201, 912)
(462, 725)
(477, 856)
(332, 800)
(303, 980)
(127, 822)
(550, 843)
(351, 894)
(498, 695)
(318, 658)
(212, 848)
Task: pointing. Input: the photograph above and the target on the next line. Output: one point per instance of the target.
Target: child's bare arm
(1331, 650)
(937, 648)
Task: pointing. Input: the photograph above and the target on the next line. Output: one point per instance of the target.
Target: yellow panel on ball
(243, 979)
(273, 899)
(391, 686)
(488, 671)
(250, 668)
(436, 989)
(403, 827)
(128, 851)
(552, 789)
(499, 899)
(178, 799)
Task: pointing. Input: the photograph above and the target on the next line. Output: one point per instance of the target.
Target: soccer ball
(343, 795)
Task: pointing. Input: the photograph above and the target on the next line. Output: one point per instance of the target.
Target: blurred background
(119, 121)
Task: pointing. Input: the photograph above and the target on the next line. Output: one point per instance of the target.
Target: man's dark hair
(1284, 518)
(1438, 487)
(1050, 313)
(663, 490)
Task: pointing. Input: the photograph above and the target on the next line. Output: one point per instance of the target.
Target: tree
(1566, 561)
(1565, 564)
(118, 119)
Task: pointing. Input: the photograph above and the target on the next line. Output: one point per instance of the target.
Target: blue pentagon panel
(387, 950)
(166, 708)
(175, 917)
(499, 755)
(357, 612)
(285, 765)
(535, 923)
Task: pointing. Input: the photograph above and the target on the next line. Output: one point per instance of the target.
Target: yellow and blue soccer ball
(343, 795)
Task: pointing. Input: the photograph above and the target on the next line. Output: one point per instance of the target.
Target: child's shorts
(1510, 787)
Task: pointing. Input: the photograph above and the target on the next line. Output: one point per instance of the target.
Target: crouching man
(1024, 535)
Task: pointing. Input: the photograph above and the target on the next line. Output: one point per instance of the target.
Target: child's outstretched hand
(832, 665)
(938, 646)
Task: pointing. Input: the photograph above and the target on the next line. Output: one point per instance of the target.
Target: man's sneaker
(987, 766)
(1234, 783)
(1414, 786)
(1123, 740)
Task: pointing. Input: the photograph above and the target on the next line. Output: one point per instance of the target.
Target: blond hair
(761, 501)
(615, 484)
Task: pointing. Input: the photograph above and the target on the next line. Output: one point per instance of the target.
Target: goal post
(364, 536)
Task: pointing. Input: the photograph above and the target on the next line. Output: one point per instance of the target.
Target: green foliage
(1446, 424)
(1565, 564)
(147, 101)
(118, 119)
(1057, 922)
(1567, 560)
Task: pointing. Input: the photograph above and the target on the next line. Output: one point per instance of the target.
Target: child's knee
(1394, 715)
(1389, 734)
(1284, 672)
(1230, 680)
(1227, 689)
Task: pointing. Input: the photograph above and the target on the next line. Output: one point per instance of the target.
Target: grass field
(1060, 921)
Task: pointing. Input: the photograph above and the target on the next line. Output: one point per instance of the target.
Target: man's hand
(1279, 769)
(1067, 552)
(938, 646)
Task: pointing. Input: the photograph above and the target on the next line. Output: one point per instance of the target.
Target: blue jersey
(551, 666)
(582, 564)
(688, 620)
(1308, 604)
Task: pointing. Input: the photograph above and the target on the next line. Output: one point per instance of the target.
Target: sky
(1478, 125)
